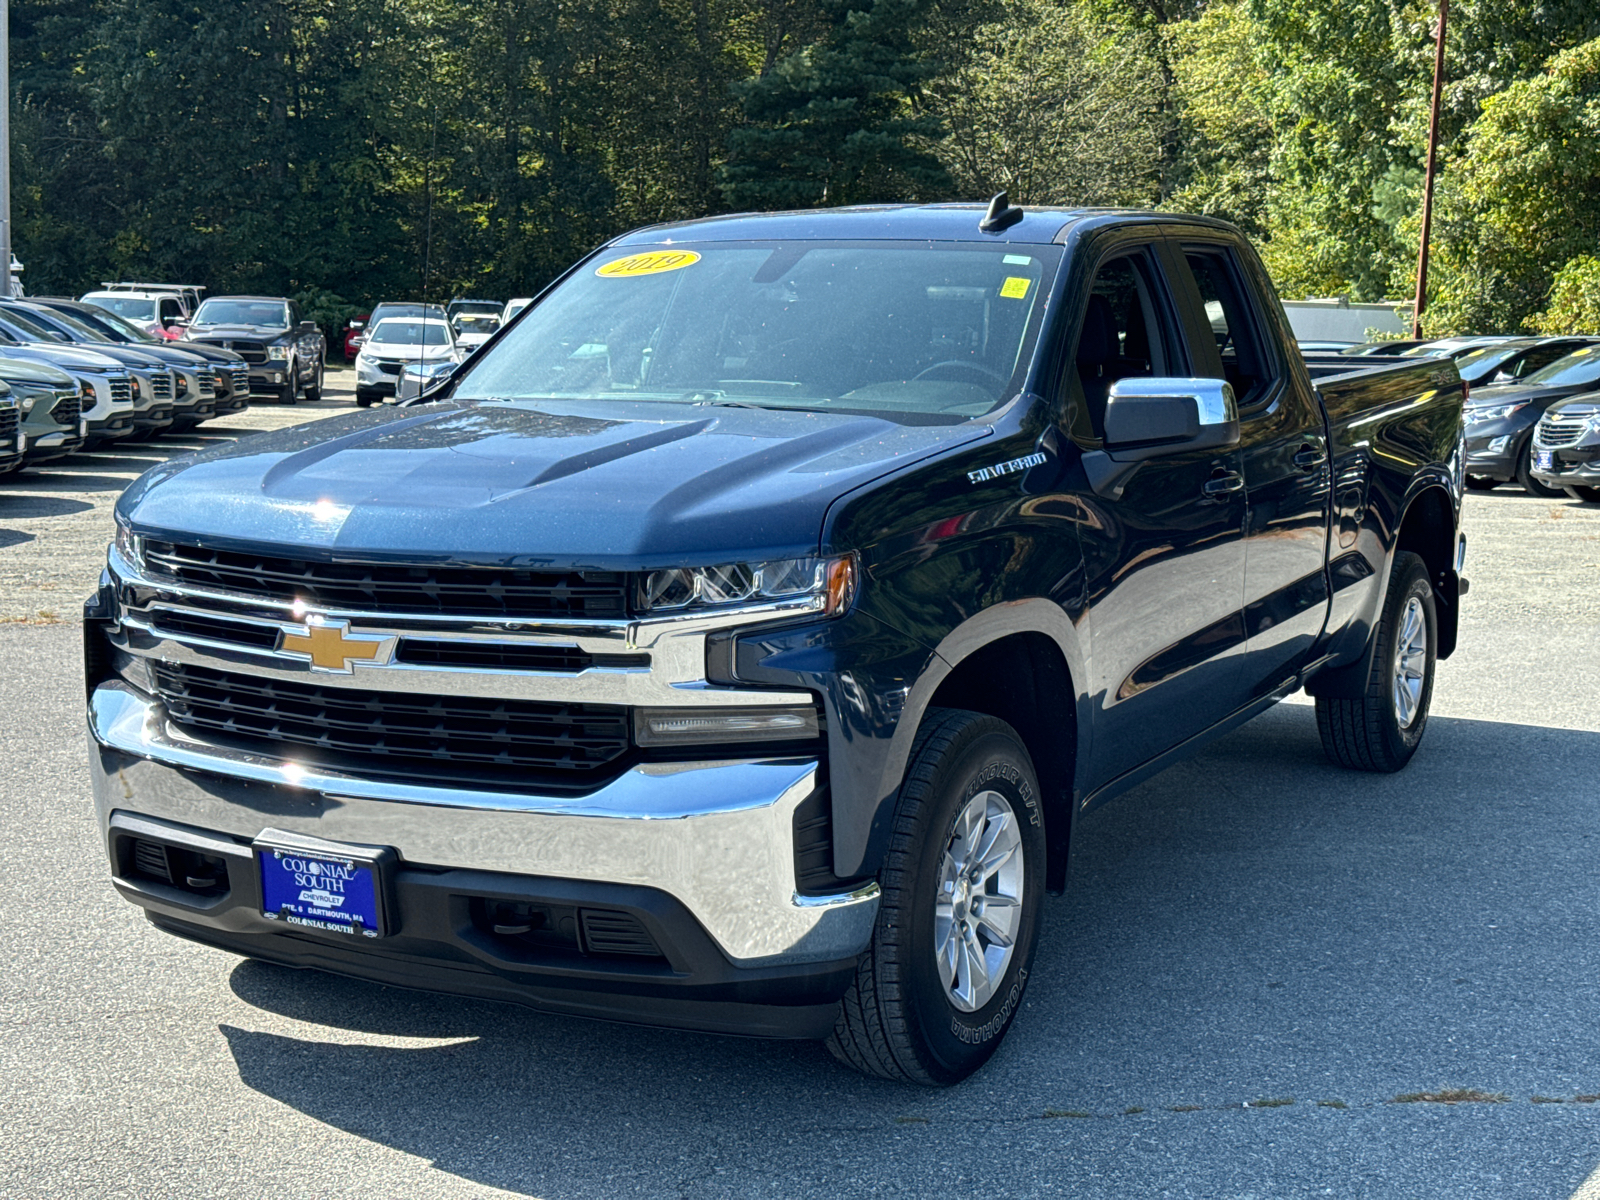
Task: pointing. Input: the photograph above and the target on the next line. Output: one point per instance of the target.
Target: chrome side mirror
(1170, 415)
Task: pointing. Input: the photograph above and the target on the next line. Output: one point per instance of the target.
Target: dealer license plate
(1544, 460)
(320, 886)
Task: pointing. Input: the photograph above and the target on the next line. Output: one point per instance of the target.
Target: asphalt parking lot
(1257, 958)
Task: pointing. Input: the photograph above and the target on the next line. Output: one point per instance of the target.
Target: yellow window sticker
(1015, 288)
(1581, 353)
(651, 263)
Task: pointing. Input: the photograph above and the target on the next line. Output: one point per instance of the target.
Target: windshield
(410, 333)
(125, 306)
(110, 320)
(897, 328)
(1581, 366)
(63, 320)
(32, 324)
(474, 322)
(405, 310)
(243, 312)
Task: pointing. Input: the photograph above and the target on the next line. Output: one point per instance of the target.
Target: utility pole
(1427, 183)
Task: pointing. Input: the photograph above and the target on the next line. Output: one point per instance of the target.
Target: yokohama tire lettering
(990, 1028)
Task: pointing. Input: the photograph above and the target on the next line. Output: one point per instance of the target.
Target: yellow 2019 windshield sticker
(651, 263)
(1015, 288)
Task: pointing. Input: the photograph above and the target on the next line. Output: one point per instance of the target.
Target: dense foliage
(355, 150)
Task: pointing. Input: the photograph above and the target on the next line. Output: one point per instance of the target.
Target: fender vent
(616, 933)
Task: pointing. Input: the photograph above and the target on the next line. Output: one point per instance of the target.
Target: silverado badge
(330, 646)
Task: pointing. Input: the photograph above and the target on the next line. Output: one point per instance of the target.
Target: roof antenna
(1001, 215)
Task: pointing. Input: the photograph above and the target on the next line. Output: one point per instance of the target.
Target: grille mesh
(396, 733)
(67, 411)
(388, 588)
(160, 385)
(1554, 434)
(121, 390)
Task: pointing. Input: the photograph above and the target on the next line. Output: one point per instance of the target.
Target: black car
(1516, 359)
(1566, 447)
(230, 374)
(1501, 417)
(284, 351)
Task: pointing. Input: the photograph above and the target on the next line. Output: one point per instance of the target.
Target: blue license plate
(1544, 460)
(320, 890)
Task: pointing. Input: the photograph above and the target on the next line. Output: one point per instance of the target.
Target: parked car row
(472, 322)
(1532, 412)
(75, 375)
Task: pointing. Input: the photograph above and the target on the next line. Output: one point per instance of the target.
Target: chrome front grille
(239, 380)
(444, 737)
(390, 588)
(160, 385)
(1565, 426)
(10, 427)
(205, 382)
(121, 390)
(389, 367)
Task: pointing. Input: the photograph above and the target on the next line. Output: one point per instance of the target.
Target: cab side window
(1124, 335)
(170, 311)
(1233, 323)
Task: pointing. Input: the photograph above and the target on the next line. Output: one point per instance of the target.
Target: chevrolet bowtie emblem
(330, 646)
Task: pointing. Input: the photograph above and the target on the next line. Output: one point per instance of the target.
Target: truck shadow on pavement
(1251, 924)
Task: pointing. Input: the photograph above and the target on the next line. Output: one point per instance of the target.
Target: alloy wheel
(978, 908)
(1410, 662)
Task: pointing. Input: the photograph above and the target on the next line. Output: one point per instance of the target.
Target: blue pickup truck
(732, 642)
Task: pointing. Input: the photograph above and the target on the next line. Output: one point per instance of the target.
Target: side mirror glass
(307, 327)
(1169, 415)
(358, 325)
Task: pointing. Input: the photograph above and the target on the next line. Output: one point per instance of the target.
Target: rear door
(1283, 440)
(1163, 546)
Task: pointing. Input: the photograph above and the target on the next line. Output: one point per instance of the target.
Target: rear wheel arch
(1428, 530)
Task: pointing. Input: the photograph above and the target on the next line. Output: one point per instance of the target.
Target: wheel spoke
(1000, 855)
(998, 928)
(977, 968)
(996, 829)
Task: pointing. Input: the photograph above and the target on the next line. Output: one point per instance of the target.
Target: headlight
(830, 582)
(1497, 413)
(180, 381)
(129, 545)
(704, 726)
(277, 353)
(136, 388)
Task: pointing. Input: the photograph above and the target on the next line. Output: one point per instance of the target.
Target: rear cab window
(1238, 332)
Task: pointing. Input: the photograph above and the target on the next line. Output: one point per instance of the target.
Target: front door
(1163, 546)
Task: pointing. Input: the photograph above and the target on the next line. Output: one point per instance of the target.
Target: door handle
(1308, 457)
(1223, 483)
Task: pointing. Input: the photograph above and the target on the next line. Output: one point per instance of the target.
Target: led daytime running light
(678, 588)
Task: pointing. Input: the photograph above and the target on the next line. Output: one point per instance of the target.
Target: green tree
(1521, 203)
(838, 121)
(1055, 107)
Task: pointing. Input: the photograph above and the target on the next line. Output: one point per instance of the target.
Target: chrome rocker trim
(718, 836)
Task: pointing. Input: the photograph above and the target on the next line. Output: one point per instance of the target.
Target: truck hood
(244, 333)
(596, 485)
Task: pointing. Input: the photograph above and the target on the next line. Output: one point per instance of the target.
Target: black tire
(290, 391)
(1583, 492)
(314, 389)
(365, 399)
(1482, 483)
(898, 1020)
(1369, 734)
(1525, 475)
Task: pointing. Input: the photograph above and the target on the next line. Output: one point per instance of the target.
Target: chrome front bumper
(717, 836)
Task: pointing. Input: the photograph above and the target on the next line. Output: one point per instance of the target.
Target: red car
(354, 334)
